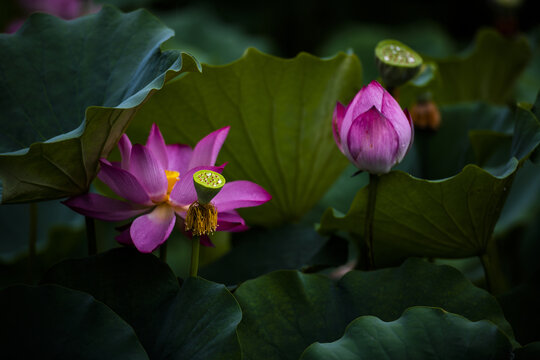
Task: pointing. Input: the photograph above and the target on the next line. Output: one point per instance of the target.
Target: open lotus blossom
(156, 180)
(373, 132)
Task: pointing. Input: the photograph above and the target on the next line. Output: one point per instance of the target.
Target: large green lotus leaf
(451, 218)
(197, 320)
(286, 311)
(487, 73)
(52, 322)
(280, 113)
(68, 91)
(421, 332)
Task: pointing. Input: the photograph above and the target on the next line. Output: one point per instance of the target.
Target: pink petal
(207, 150)
(237, 194)
(337, 120)
(124, 145)
(184, 192)
(402, 125)
(179, 157)
(123, 183)
(103, 208)
(149, 231)
(156, 145)
(369, 96)
(149, 172)
(230, 220)
(373, 142)
(411, 124)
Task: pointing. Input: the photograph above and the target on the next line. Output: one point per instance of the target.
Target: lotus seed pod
(207, 184)
(396, 62)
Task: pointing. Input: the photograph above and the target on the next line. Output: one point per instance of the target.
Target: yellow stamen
(201, 219)
(172, 178)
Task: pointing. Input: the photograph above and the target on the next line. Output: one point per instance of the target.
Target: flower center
(172, 178)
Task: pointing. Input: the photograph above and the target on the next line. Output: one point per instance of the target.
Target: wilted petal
(124, 145)
(124, 237)
(337, 120)
(184, 192)
(151, 230)
(123, 183)
(238, 194)
(205, 241)
(207, 150)
(103, 208)
(179, 157)
(373, 142)
(156, 144)
(149, 172)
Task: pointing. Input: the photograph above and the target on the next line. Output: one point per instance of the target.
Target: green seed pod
(208, 184)
(397, 63)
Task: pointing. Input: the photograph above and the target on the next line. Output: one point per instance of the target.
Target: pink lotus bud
(373, 132)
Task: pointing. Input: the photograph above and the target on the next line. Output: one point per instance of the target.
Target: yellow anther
(172, 178)
(201, 219)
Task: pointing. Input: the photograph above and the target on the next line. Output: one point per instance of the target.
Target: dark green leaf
(259, 251)
(52, 322)
(286, 311)
(420, 333)
(488, 73)
(68, 90)
(280, 113)
(195, 321)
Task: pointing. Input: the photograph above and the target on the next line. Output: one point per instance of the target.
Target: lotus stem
(32, 241)
(195, 245)
(496, 282)
(366, 250)
(163, 252)
(91, 235)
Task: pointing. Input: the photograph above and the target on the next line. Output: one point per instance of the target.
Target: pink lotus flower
(65, 9)
(373, 132)
(157, 182)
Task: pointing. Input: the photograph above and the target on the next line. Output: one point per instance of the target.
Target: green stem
(163, 252)
(32, 240)
(91, 235)
(496, 282)
(372, 193)
(366, 249)
(195, 245)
